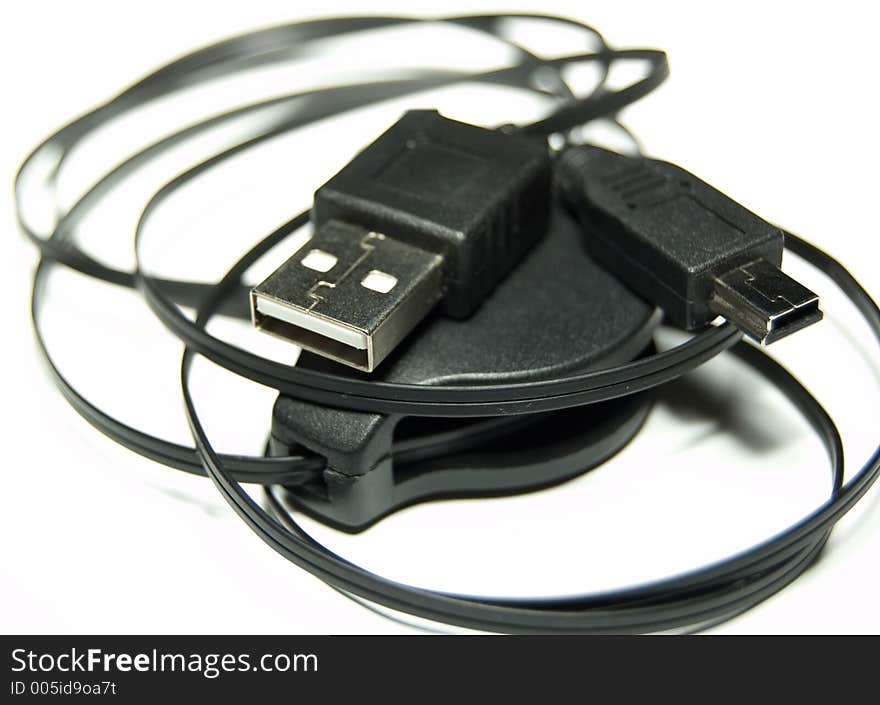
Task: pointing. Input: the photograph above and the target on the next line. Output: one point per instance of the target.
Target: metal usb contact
(349, 294)
(764, 302)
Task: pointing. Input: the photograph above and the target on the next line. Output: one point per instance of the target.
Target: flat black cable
(865, 487)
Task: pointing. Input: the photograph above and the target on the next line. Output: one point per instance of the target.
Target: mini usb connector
(764, 302)
(683, 245)
(349, 294)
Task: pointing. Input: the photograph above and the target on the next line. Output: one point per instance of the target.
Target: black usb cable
(386, 255)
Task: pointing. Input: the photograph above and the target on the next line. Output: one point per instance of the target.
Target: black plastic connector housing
(683, 245)
(478, 197)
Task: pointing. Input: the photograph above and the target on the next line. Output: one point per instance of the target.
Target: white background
(772, 102)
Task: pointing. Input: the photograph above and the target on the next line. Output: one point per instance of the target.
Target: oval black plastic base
(557, 312)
